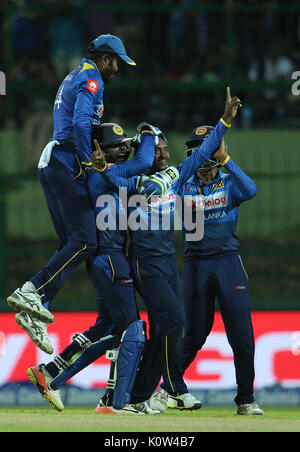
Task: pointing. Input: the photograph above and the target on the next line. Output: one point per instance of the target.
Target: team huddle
(113, 201)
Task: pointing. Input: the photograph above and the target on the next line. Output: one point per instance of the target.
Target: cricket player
(62, 172)
(214, 268)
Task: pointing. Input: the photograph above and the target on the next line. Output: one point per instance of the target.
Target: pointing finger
(228, 95)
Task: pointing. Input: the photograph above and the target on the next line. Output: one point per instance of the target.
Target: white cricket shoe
(145, 408)
(158, 400)
(28, 300)
(184, 402)
(250, 409)
(36, 330)
(41, 379)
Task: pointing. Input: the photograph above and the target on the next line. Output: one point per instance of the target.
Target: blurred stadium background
(187, 51)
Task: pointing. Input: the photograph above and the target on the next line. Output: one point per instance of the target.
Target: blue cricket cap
(110, 44)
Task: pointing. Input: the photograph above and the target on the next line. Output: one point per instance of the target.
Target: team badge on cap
(118, 130)
(201, 131)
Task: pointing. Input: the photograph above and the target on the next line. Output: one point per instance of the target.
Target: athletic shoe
(41, 379)
(28, 300)
(36, 330)
(250, 409)
(158, 400)
(128, 409)
(144, 407)
(184, 402)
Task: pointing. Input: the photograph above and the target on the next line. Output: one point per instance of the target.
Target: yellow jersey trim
(87, 66)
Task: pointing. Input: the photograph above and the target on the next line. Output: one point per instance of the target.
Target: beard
(108, 74)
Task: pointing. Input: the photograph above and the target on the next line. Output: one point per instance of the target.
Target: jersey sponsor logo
(92, 85)
(209, 202)
(162, 199)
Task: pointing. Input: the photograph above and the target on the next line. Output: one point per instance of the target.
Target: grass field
(208, 419)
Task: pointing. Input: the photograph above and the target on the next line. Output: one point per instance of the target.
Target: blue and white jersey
(78, 105)
(220, 201)
(151, 225)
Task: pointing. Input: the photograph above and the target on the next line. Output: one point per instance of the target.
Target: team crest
(118, 130)
(201, 131)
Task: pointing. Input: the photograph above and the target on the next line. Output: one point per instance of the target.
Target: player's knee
(88, 247)
(176, 323)
(91, 247)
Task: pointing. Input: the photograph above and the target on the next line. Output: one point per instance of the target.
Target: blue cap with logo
(110, 44)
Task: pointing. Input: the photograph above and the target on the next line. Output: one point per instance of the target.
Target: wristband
(226, 160)
(225, 123)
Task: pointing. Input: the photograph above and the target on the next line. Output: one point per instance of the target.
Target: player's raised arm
(190, 165)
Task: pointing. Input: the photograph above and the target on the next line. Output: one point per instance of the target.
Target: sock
(66, 354)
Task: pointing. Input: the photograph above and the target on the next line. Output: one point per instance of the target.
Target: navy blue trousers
(223, 278)
(115, 293)
(73, 218)
(157, 281)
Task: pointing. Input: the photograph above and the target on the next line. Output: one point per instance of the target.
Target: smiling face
(161, 157)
